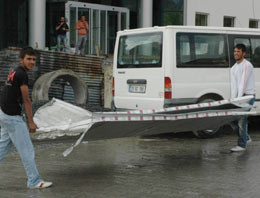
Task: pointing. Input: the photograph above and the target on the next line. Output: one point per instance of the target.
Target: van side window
(246, 42)
(252, 44)
(201, 50)
(255, 52)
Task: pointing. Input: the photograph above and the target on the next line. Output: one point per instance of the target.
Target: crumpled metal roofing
(104, 125)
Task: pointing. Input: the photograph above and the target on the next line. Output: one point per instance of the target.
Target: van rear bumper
(180, 101)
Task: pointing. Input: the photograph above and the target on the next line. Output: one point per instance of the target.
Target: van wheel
(208, 133)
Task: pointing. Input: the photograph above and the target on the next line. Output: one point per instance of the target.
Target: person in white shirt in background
(242, 84)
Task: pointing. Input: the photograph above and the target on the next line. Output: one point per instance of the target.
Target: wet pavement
(158, 166)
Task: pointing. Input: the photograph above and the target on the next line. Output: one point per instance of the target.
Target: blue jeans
(82, 39)
(14, 131)
(241, 126)
(62, 39)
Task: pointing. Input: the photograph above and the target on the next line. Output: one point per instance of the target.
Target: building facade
(32, 22)
(221, 13)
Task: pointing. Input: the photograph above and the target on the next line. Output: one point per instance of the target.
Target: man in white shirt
(242, 84)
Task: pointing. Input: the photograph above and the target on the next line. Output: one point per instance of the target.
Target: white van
(175, 65)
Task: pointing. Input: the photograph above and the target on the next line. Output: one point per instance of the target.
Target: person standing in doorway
(82, 27)
(14, 130)
(62, 28)
(242, 84)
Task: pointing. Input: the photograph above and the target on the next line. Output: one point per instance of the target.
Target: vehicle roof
(203, 28)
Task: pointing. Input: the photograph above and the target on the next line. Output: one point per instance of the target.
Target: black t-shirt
(60, 31)
(11, 97)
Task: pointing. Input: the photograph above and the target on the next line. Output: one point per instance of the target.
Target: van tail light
(113, 87)
(167, 88)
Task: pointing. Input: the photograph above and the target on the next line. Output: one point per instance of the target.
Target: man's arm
(28, 108)
(233, 85)
(247, 71)
(86, 25)
(59, 26)
(78, 27)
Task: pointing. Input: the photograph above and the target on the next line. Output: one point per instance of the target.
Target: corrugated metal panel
(88, 67)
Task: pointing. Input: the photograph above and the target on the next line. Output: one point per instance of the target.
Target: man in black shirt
(13, 129)
(62, 28)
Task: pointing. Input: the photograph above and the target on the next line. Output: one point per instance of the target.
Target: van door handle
(136, 81)
(121, 72)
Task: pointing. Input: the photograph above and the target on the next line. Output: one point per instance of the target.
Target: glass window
(201, 19)
(104, 22)
(229, 22)
(139, 51)
(184, 49)
(96, 31)
(255, 52)
(173, 18)
(123, 21)
(246, 42)
(112, 30)
(168, 12)
(173, 5)
(252, 44)
(86, 12)
(201, 50)
(13, 23)
(72, 26)
(55, 11)
(253, 23)
(103, 32)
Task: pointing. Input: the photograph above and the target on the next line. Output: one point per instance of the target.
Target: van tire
(208, 133)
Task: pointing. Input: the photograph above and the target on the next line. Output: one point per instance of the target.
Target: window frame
(208, 65)
(200, 14)
(256, 21)
(231, 39)
(232, 22)
(129, 66)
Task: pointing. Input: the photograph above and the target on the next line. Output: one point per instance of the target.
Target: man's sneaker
(237, 149)
(249, 141)
(42, 184)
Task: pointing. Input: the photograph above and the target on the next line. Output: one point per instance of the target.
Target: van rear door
(138, 71)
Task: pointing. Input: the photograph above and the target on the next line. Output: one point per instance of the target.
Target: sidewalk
(165, 166)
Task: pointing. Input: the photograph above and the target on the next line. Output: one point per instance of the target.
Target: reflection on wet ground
(157, 166)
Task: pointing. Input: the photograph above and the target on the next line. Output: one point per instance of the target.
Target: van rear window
(140, 51)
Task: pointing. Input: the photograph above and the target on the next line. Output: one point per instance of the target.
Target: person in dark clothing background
(62, 28)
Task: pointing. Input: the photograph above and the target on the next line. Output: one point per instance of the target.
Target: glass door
(112, 30)
(72, 26)
(86, 12)
(123, 21)
(95, 32)
(104, 22)
(103, 32)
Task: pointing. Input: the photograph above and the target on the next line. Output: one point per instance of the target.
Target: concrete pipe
(42, 85)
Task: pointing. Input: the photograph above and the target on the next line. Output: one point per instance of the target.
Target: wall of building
(13, 23)
(242, 10)
(1, 24)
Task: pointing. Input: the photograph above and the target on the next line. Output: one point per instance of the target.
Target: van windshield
(140, 51)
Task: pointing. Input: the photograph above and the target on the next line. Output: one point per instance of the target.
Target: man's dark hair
(27, 51)
(241, 46)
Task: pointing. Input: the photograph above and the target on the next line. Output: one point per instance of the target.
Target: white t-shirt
(242, 79)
